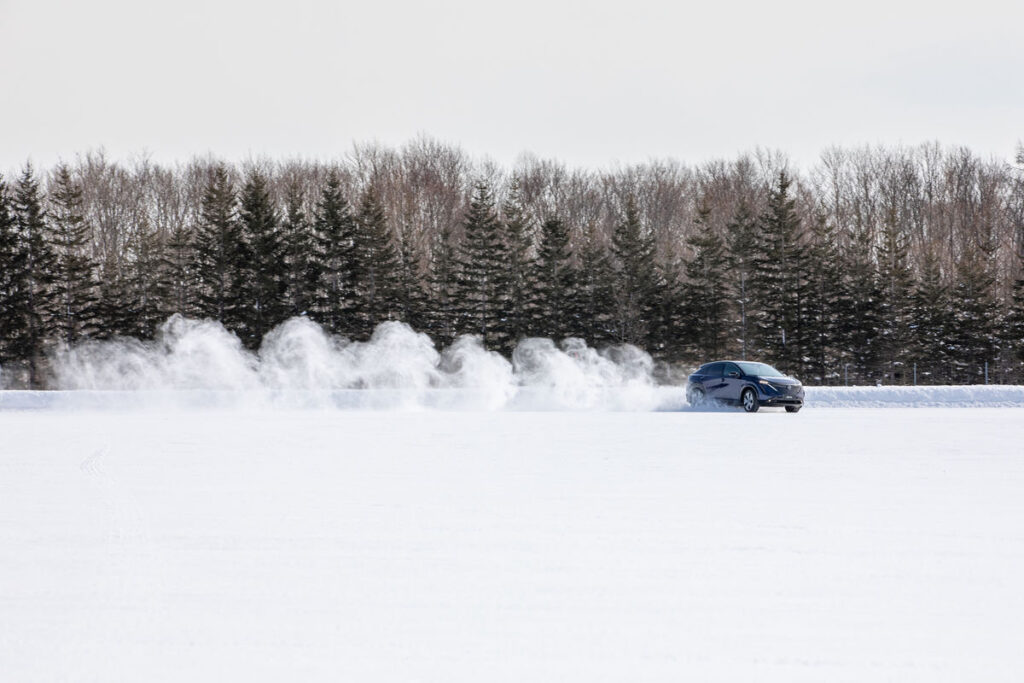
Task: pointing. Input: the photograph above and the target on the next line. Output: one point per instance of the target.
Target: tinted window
(732, 367)
(761, 370)
(712, 369)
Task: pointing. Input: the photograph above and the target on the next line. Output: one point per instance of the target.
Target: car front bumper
(781, 401)
(783, 396)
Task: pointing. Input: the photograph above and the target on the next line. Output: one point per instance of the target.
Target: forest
(891, 265)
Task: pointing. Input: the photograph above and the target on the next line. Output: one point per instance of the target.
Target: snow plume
(199, 362)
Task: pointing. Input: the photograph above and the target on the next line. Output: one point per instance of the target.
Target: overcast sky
(591, 83)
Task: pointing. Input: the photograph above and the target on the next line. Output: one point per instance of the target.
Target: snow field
(839, 545)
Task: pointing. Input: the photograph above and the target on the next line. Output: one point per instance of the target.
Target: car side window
(732, 367)
(713, 370)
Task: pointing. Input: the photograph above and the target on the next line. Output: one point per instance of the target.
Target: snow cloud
(198, 362)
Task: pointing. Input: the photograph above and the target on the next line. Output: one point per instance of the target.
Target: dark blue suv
(751, 385)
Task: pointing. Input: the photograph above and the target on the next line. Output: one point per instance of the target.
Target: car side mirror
(733, 375)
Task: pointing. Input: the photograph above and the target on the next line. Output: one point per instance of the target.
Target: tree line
(877, 265)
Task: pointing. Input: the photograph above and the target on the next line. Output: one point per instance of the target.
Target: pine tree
(301, 261)
(33, 322)
(376, 266)
(592, 305)
(553, 280)
(264, 273)
(111, 310)
(932, 323)
(778, 280)
(441, 286)
(180, 271)
(520, 269)
(705, 292)
(633, 251)
(741, 244)
(220, 252)
(481, 286)
(666, 333)
(146, 286)
(73, 274)
(896, 280)
(1013, 327)
(335, 231)
(824, 293)
(411, 298)
(798, 359)
(974, 311)
(859, 307)
(14, 283)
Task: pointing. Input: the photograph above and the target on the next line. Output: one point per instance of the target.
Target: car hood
(781, 381)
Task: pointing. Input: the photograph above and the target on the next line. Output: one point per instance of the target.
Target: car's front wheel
(749, 400)
(697, 398)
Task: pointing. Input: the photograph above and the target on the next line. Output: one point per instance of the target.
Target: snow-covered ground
(269, 543)
(920, 396)
(639, 397)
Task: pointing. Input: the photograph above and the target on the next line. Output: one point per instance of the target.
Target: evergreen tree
(636, 281)
(554, 283)
(705, 293)
(264, 272)
(800, 299)
(14, 283)
(33, 321)
(442, 284)
(666, 335)
(180, 271)
(932, 323)
(221, 252)
(410, 295)
(335, 231)
(824, 293)
(111, 311)
(974, 313)
(896, 280)
(481, 286)
(778, 280)
(859, 308)
(741, 243)
(146, 284)
(73, 274)
(301, 256)
(1013, 327)
(593, 301)
(520, 269)
(376, 266)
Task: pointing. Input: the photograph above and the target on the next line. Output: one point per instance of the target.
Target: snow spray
(298, 363)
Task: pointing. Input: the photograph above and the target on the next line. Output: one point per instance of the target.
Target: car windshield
(760, 370)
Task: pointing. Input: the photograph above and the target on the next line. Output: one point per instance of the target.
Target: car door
(713, 383)
(732, 382)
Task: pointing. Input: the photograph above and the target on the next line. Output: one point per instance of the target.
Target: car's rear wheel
(748, 399)
(793, 409)
(697, 398)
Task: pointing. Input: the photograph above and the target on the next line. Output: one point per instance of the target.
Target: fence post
(986, 372)
(915, 374)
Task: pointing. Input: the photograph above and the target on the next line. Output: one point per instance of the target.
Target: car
(744, 383)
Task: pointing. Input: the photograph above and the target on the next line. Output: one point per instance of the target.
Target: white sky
(590, 83)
